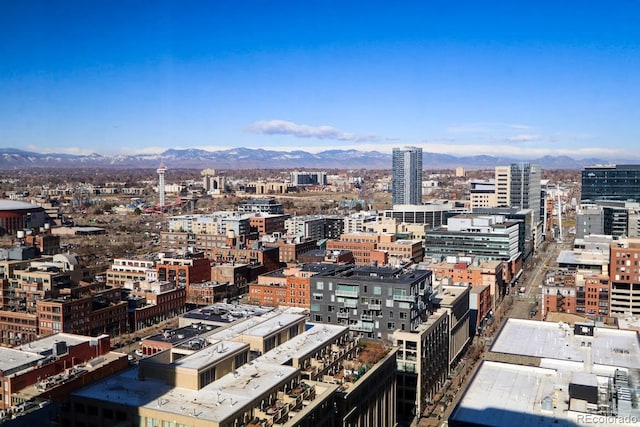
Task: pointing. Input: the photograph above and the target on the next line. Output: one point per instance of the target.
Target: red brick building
(102, 312)
(289, 287)
(267, 224)
(17, 327)
(291, 250)
(48, 368)
(152, 305)
(184, 269)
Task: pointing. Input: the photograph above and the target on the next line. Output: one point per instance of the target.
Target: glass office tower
(611, 182)
(525, 187)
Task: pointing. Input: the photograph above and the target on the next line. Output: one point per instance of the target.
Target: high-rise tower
(525, 187)
(407, 176)
(161, 171)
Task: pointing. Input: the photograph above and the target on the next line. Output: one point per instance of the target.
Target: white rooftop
(216, 402)
(274, 324)
(46, 344)
(13, 360)
(610, 347)
(303, 344)
(210, 355)
(502, 394)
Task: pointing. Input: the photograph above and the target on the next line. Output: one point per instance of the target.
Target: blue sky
(524, 79)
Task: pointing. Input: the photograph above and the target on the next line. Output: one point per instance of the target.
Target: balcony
(376, 307)
(405, 298)
(362, 327)
(342, 315)
(366, 318)
(348, 294)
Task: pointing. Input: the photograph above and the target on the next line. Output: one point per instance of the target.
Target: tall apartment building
(407, 176)
(422, 359)
(624, 273)
(372, 301)
(503, 185)
(518, 186)
(611, 182)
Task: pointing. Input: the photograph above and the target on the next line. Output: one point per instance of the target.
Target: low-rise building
(549, 374)
(50, 368)
(220, 386)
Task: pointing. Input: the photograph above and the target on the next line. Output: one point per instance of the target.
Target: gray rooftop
(550, 340)
(503, 394)
(216, 402)
(304, 344)
(210, 355)
(45, 345)
(13, 360)
(274, 324)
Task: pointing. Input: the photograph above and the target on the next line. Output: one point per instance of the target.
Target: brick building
(367, 248)
(49, 368)
(289, 287)
(151, 303)
(292, 248)
(266, 224)
(101, 312)
(184, 269)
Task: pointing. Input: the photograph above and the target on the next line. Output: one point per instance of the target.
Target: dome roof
(14, 205)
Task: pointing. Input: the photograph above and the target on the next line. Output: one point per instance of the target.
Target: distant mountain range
(248, 158)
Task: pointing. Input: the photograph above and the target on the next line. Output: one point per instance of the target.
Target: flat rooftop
(13, 360)
(219, 400)
(503, 394)
(226, 313)
(572, 257)
(181, 334)
(274, 324)
(550, 340)
(304, 344)
(210, 355)
(44, 346)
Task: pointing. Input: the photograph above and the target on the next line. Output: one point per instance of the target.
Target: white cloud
(284, 127)
(519, 151)
(486, 127)
(524, 138)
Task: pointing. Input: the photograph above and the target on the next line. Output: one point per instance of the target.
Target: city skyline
(521, 80)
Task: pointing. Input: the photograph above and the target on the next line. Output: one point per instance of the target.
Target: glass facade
(525, 187)
(619, 182)
(407, 176)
